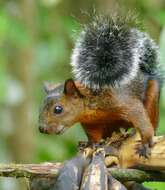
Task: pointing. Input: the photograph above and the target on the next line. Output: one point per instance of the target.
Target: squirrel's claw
(143, 151)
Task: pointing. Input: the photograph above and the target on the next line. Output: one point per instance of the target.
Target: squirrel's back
(109, 52)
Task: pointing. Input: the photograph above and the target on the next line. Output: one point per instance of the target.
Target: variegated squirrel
(117, 84)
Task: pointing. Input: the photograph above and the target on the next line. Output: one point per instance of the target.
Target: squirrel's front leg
(138, 116)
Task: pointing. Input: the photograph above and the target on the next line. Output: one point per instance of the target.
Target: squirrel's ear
(48, 87)
(70, 89)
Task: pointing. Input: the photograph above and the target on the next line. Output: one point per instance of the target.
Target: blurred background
(36, 39)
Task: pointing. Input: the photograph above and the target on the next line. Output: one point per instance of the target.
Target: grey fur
(110, 52)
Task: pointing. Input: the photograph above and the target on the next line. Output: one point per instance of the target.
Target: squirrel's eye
(58, 109)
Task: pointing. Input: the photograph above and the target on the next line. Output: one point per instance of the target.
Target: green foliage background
(36, 39)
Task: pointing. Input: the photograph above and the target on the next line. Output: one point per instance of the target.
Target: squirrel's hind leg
(151, 101)
(135, 113)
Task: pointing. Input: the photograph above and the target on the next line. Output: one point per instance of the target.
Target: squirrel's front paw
(143, 151)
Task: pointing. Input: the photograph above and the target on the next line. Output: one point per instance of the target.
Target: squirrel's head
(61, 109)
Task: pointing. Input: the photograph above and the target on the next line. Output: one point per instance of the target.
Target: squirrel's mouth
(52, 129)
(60, 129)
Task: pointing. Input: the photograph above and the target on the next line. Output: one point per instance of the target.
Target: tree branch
(30, 170)
(130, 166)
(50, 170)
(128, 158)
(136, 175)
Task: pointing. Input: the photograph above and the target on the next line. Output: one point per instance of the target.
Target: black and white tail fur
(110, 52)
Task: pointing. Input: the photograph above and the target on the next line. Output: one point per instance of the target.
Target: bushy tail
(110, 52)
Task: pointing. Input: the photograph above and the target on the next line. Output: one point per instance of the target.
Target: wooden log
(128, 158)
(50, 170)
(30, 170)
(131, 166)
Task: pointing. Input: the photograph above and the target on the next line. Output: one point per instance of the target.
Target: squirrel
(117, 84)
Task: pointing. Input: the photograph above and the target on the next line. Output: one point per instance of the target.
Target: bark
(130, 164)
(50, 170)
